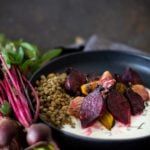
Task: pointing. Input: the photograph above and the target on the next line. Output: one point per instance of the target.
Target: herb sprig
(24, 54)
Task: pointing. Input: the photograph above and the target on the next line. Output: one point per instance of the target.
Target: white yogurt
(139, 127)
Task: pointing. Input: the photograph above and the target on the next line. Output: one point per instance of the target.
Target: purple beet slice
(91, 108)
(119, 107)
(136, 102)
(132, 76)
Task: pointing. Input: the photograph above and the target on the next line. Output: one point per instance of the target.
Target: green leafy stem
(24, 54)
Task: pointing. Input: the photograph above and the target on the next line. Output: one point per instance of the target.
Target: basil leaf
(46, 57)
(16, 57)
(7, 60)
(29, 49)
(27, 63)
(49, 55)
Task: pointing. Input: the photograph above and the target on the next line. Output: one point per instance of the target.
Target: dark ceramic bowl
(98, 61)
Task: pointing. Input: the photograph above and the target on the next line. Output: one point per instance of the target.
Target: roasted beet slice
(136, 102)
(73, 81)
(119, 106)
(91, 108)
(132, 76)
(74, 106)
(141, 90)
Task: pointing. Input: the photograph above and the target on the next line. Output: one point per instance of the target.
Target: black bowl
(97, 61)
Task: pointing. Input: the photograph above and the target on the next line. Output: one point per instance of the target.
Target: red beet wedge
(132, 76)
(119, 106)
(136, 102)
(73, 81)
(91, 108)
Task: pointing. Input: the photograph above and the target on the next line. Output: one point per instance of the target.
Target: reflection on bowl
(98, 62)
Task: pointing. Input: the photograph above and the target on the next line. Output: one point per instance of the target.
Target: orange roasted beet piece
(136, 102)
(74, 106)
(91, 108)
(119, 107)
(106, 81)
(141, 90)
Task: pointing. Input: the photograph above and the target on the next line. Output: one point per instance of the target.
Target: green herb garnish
(5, 108)
(24, 54)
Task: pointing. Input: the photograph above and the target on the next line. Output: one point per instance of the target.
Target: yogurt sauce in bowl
(139, 127)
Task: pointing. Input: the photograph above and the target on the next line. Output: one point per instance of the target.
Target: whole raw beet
(136, 102)
(132, 76)
(91, 108)
(73, 81)
(119, 107)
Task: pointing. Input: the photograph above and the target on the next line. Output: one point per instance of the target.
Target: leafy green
(27, 63)
(48, 147)
(16, 57)
(5, 108)
(24, 54)
(29, 49)
(3, 39)
(47, 56)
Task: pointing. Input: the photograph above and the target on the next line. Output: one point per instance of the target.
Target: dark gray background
(52, 23)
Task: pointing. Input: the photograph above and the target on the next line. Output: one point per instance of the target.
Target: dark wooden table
(51, 23)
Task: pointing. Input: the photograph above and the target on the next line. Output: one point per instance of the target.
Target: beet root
(119, 106)
(8, 130)
(91, 108)
(38, 132)
(136, 102)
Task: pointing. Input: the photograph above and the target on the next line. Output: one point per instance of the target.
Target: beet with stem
(13, 85)
(38, 132)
